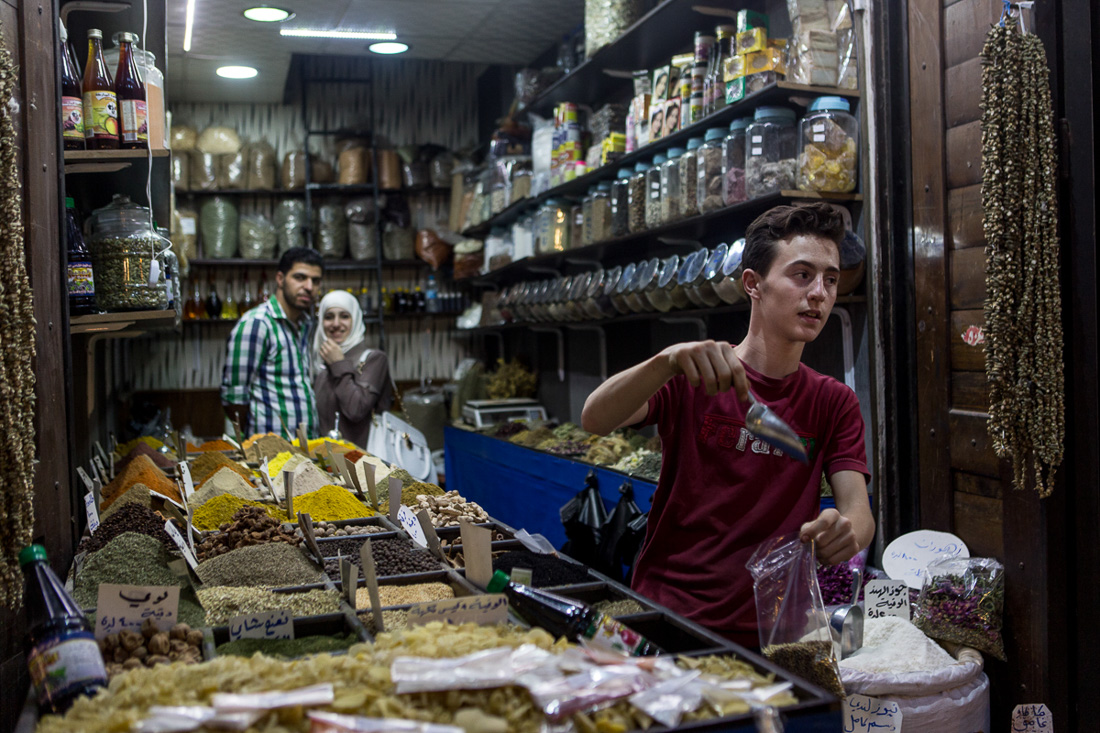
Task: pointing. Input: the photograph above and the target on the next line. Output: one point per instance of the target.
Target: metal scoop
(847, 621)
(766, 425)
(335, 432)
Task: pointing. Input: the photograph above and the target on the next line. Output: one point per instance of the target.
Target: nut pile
(151, 646)
(251, 526)
(328, 529)
(446, 510)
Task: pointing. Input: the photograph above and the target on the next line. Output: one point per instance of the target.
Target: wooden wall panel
(962, 92)
(979, 522)
(965, 357)
(967, 271)
(969, 483)
(971, 447)
(965, 26)
(964, 155)
(970, 391)
(964, 217)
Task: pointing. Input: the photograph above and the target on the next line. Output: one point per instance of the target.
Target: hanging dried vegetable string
(1023, 311)
(16, 355)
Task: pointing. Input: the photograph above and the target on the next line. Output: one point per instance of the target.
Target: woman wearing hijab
(349, 378)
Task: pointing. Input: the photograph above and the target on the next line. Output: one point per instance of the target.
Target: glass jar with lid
(590, 304)
(828, 147)
(154, 86)
(577, 296)
(653, 192)
(586, 216)
(620, 203)
(618, 297)
(704, 288)
(691, 275)
(605, 297)
(638, 197)
(670, 186)
(733, 184)
(556, 228)
(657, 290)
(127, 258)
(644, 274)
(771, 152)
(708, 174)
(535, 294)
(601, 212)
(689, 166)
(729, 287)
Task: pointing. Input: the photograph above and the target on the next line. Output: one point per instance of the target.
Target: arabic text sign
(408, 522)
(121, 607)
(864, 714)
(181, 543)
(90, 510)
(884, 597)
(1029, 718)
(482, 609)
(907, 558)
(277, 624)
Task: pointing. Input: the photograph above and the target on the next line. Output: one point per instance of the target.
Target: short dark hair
(784, 222)
(305, 255)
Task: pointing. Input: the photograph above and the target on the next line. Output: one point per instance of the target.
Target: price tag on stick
(126, 607)
(278, 624)
(408, 522)
(351, 475)
(425, 521)
(84, 477)
(180, 543)
(305, 523)
(288, 486)
(476, 551)
(97, 492)
(188, 484)
(372, 490)
(90, 510)
(370, 573)
(885, 597)
(181, 446)
(100, 470)
(303, 441)
(103, 454)
(265, 476)
(395, 497)
(349, 579)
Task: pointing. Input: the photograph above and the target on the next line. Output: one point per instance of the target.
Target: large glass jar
(620, 203)
(523, 236)
(771, 152)
(670, 186)
(127, 258)
(653, 192)
(576, 230)
(591, 303)
(637, 197)
(708, 174)
(644, 273)
(574, 307)
(691, 275)
(733, 184)
(729, 286)
(712, 270)
(586, 214)
(689, 166)
(657, 289)
(601, 213)
(605, 297)
(828, 147)
(618, 298)
(555, 229)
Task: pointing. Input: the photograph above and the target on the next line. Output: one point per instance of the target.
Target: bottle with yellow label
(100, 102)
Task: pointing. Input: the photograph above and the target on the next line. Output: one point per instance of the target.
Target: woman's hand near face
(330, 351)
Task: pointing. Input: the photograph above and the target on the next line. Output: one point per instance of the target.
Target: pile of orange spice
(140, 470)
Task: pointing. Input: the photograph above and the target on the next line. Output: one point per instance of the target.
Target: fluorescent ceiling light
(388, 47)
(189, 26)
(353, 35)
(236, 72)
(264, 14)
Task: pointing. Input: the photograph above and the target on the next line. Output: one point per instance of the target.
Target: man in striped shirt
(266, 384)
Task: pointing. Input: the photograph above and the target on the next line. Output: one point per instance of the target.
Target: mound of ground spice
(220, 510)
(331, 503)
(161, 459)
(132, 517)
(141, 470)
(224, 481)
(268, 446)
(206, 464)
(124, 449)
(136, 494)
(217, 445)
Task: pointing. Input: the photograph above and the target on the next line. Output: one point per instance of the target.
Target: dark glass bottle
(194, 308)
(213, 302)
(72, 102)
(79, 270)
(263, 291)
(246, 297)
(100, 102)
(62, 654)
(569, 618)
(134, 124)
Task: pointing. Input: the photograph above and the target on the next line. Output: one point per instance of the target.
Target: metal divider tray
(329, 624)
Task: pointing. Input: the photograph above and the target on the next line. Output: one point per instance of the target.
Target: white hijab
(338, 299)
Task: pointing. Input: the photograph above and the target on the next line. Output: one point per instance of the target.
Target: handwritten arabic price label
(408, 522)
(188, 484)
(484, 610)
(366, 561)
(90, 510)
(100, 471)
(1028, 718)
(182, 544)
(121, 607)
(477, 553)
(102, 453)
(278, 624)
(394, 497)
(84, 477)
(521, 576)
(864, 714)
(907, 558)
(885, 597)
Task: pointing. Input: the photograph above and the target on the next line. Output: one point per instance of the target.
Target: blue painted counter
(524, 487)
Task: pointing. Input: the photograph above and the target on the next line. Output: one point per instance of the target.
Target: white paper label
(278, 624)
(188, 225)
(154, 272)
(756, 151)
(84, 477)
(408, 522)
(819, 127)
(188, 484)
(907, 558)
(181, 543)
(864, 714)
(1028, 718)
(484, 610)
(819, 138)
(885, 597)
(121, 607)
(757, 139)
(265, 476)
(93, 515)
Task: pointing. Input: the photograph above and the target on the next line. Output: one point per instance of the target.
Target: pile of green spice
(622, 607)
(288, 648)
(273, 565)
(225, 602)
(136, 494)
(810, 660)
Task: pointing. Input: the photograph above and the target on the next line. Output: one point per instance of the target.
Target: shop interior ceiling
(462, 31)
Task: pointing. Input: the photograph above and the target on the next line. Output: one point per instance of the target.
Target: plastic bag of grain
(353, 166)
(181, 171)
(257, 238)
(218, 140)
(290, 223)
(183, 138)
(332, 231)
(204, 171)
(218, 223)
(294, 170)
(231, 171)
(261, 166)
(362, 230)
(185, 238)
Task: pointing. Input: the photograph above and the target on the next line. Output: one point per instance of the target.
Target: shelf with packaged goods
(329, 264)
(107, 161)
(779, 93)
(273, 192)
(109, 323)
(368, 318)
(658, 242)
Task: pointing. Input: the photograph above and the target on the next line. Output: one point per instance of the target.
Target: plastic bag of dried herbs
(791, 619)
(962, 600)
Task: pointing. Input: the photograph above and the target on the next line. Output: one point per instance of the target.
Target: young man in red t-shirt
(722, 491)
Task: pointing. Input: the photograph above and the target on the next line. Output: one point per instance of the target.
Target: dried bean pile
(129, 518)
(272, 565)
(546, 570)
(251, 526)
(223, 603)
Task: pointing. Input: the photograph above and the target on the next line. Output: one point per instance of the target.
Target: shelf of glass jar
(368, 319)
(779, 93)
(107, 161)
(659, 241)
(329, 264)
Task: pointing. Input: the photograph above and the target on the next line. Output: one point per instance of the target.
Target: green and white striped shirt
(267, 367)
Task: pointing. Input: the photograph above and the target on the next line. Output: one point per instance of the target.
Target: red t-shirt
(722, 492)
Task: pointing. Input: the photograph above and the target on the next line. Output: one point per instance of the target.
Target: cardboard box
(661, 83)
(656, 120)
(749, 19)
(754, 39)
(674, 119)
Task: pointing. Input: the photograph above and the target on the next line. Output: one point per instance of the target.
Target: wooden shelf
(107, 161)
(118, 322)
(329, 264)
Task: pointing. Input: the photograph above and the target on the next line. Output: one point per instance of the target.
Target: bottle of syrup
(62, 654)
(194, 308)
(134, 127)
(80, 276)
(246, 296)
(213, 302)
(100, 102)
(72, 100)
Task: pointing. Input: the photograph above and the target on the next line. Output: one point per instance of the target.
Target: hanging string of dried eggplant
(1023, 310)
(16, 355)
